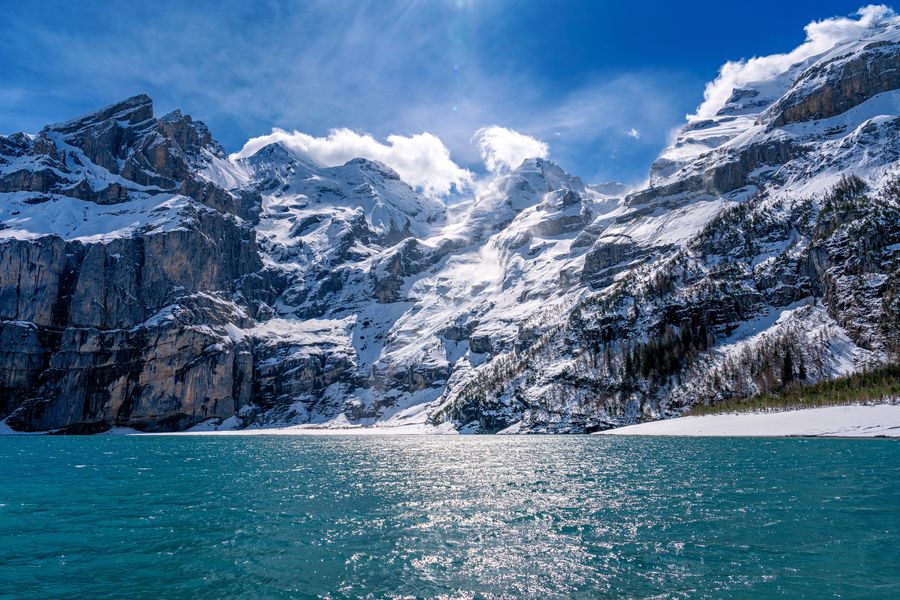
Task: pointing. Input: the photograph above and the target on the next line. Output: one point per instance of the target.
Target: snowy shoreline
(413, 429)
(853, 421)
(879, 420)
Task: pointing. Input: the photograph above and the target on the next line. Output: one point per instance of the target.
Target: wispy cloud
(397, 71)
(820, 37)
(504, 149)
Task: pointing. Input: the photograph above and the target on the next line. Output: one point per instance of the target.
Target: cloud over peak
(422, 160)
(503, 149)
(821, 36)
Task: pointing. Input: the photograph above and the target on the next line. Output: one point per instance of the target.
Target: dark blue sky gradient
(579, 75)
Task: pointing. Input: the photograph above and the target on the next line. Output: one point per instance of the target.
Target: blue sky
(601, 83)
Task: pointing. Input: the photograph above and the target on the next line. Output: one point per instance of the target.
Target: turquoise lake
(470, 517)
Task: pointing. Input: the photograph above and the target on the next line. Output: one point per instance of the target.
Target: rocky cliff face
(120, 271)
(147, 280)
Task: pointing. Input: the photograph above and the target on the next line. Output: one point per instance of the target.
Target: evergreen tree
(787, 368)
(704, 337)
(629, 365)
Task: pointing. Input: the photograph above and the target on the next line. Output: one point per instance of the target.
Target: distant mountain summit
(151, 281)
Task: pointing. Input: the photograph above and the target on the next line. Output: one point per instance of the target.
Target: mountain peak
(545, 175)
(275, 157)
(192, 136)
(373, 166)
(133, 110)
(537, 163)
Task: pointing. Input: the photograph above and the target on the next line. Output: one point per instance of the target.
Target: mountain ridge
(151, 281)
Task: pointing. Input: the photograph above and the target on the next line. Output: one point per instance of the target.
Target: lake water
(472, 517)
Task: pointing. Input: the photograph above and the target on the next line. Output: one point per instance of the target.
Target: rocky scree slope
(150, 281)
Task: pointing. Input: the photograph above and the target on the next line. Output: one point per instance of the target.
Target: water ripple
(414, 517)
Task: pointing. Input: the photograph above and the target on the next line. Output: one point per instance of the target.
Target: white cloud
(633, 133)
(421, 160)
(820, 37)
(503, 148)
(311, 51)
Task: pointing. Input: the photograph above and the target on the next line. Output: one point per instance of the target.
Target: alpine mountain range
(149, 280)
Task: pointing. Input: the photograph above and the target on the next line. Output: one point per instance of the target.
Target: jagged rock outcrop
(106, 326)
(137, 150)
(834, 86)
(605, 258)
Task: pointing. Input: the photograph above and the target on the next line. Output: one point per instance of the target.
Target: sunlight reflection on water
(457, 516)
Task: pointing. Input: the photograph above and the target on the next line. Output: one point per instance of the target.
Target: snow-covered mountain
(151, 281)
